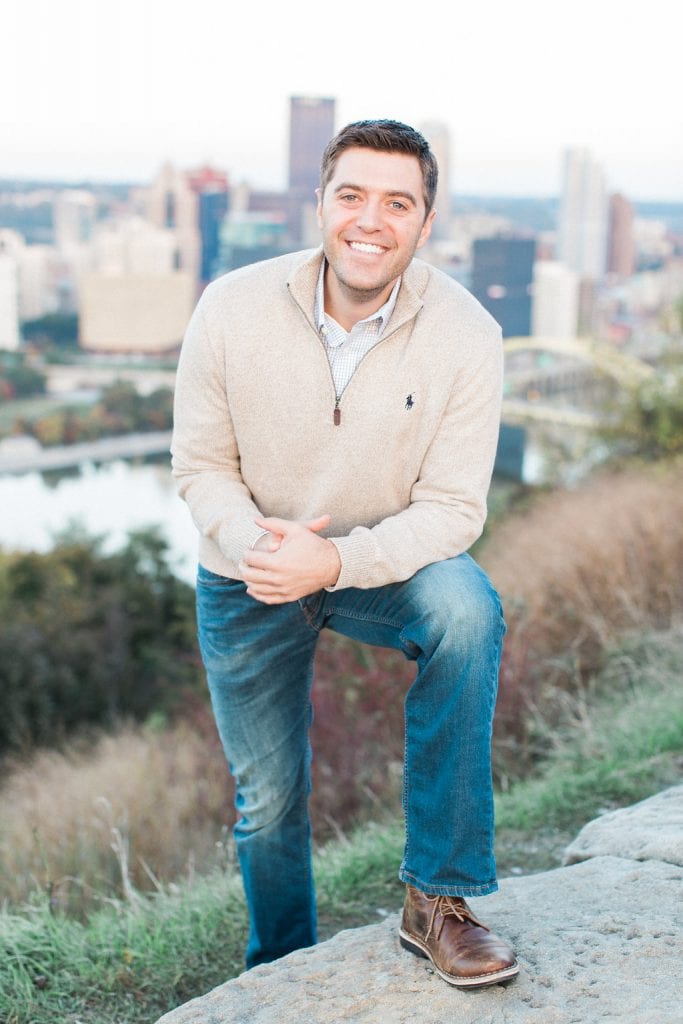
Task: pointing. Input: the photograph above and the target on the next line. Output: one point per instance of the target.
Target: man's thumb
(316, 525)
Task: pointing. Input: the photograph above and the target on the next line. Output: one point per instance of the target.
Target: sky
(110, 91)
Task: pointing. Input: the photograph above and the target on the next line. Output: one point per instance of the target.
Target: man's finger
(284, 526)
(257, 559)
(315, 525)
(275, 525)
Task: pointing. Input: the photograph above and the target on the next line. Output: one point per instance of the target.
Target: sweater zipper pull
(336, 415)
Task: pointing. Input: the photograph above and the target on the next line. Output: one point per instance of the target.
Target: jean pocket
(212, 579)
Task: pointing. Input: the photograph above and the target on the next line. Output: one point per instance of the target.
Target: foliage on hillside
(646, 420)
(18, 378)
(89, 638)
(119, 410)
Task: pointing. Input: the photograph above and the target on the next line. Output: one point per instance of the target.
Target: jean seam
(343, 613)
(484, 889)
(405, 794)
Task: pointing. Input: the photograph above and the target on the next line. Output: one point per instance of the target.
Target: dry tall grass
(101, 822)
(147, 805)
(576, 570)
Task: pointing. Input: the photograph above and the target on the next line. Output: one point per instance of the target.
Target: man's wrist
(262, 534)
(335, 564)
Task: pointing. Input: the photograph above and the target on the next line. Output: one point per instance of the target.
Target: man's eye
(396, 205)
(350, 198)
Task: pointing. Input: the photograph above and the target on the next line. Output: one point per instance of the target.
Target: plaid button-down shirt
(345, 349)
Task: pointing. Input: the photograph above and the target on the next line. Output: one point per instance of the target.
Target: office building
(249, 237)
(311, 126)
(555, 301)
(135, 313)
(36, 273)
(582, 223)
(9, 301)
(171, 203)
(212, 191)
(502, 275)
(621, 252)
(74, 214)
(135, 300)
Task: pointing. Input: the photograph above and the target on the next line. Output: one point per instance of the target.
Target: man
(336, 421)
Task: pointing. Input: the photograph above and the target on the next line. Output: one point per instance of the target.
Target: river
(107, 500)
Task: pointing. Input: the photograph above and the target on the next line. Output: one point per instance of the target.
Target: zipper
(336, 412)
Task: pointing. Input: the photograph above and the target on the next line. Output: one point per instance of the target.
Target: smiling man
(336, 420)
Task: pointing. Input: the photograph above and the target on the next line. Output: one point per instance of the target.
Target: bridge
(585, 368)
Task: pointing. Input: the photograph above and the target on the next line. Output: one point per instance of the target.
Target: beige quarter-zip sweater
(402, 462)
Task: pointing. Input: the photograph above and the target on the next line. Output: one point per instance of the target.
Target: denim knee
(456, 607)
(267, 793)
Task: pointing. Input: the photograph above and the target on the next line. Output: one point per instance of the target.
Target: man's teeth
(366, 247)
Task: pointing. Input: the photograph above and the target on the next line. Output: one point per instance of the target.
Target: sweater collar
(304, 278)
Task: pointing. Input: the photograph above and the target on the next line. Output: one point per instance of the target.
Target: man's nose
(370, 216)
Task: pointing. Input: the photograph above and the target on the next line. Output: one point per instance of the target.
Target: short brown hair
(387, 137)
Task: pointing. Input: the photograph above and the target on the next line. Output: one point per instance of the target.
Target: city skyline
(87, 92)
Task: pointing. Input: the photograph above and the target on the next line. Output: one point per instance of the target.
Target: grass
(576, 568)
(134, 959)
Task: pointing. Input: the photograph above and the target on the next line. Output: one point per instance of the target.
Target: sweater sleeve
(447, 507)
(205, 458)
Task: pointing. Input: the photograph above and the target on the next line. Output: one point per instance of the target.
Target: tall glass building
(311, 126)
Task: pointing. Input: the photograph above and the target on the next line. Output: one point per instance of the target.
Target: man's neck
(347, 306)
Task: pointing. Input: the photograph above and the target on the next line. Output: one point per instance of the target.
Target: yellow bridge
(626, 370)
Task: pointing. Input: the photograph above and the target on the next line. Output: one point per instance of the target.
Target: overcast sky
(109, 90)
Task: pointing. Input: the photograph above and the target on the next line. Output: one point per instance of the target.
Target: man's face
(372, 216)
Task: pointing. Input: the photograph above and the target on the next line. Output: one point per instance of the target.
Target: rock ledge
(599, 942)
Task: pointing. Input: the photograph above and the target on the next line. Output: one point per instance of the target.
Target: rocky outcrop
(599, 941)
(650, 830)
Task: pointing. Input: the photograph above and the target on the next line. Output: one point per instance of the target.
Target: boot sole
(418, 948)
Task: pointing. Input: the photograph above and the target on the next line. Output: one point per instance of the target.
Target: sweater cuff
(237, 536)
(357, 556)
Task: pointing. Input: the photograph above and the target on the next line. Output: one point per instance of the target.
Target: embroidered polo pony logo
(410, 401)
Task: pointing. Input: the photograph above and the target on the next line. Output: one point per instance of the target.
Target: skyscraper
(582, 225)
(171, 203)
(555, 307)
(311, 126)
(502, 274)
(74, 219)
(9, 301)
(620, 241)
(211, 188)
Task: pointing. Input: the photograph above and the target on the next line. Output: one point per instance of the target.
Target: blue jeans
(259, 665)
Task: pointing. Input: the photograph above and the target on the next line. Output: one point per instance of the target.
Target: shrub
(89, 638)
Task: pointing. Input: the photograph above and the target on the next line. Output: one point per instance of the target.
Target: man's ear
(319, 207)
(426, 229)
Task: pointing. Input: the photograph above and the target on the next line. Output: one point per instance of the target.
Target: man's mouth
(366, 247)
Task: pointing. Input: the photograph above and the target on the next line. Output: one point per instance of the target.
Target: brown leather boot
(463, 951)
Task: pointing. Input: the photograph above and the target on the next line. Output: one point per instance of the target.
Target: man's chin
(365, 284)
(365, 291)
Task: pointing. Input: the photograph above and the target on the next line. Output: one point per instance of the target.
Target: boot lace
(452, 906)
